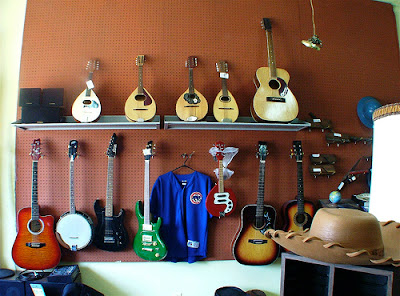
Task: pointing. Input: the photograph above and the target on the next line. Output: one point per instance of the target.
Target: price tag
(316, 120)
(317, 170)
(337, 135)
(38, 290)
(224, 75)
(89, 84)
(315, 155)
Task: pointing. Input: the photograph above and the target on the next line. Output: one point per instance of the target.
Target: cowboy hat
(344, 236)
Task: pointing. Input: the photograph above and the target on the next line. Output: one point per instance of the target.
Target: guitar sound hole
(274, 84)
(35, 226)
(300, 219)
(140, 97)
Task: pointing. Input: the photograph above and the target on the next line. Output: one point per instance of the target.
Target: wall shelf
(242, 123)
(104, 122)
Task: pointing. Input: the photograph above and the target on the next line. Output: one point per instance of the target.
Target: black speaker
(12, 287)
(40, 114)
(29, 97)
(52, 97)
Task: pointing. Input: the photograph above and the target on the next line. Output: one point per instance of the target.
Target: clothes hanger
(184, 165)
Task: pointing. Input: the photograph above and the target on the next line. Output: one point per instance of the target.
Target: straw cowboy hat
(344, 236)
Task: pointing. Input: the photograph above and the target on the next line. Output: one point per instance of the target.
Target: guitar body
(140, 106)
(220, 204)
(295, 221)
(74, 231)
(114, 240)
(225, 108)
(36, 246)
(86, 108)
(273, 100)
(251, 246)
(147, 243)
(191, 107)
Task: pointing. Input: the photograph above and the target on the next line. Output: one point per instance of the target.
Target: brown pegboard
(61, 36)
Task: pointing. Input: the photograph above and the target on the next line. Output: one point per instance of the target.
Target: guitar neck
(140, 87)
(271, 55)
(191, 84)
(88, 90)
(72, 208)
(300, 188)
(260, 196)
(224, 87)
(220, 176)
(110, 188)
(146, 206)
(34, 197)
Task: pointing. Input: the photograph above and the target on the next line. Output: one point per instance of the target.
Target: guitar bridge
(109, 240)
(35, 245)
(258, 241)
(276, 99)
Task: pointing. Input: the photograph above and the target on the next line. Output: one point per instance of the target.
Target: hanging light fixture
(314, 42)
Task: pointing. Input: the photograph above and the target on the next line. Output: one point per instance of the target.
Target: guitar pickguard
(222, 198)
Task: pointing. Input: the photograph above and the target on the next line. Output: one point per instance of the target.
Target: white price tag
(224, 75)
(337, 134)
(316, 120)
(89, 84)
(38, 290)
(315, 155)
(317, 170)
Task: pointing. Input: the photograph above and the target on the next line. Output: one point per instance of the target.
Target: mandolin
(220, 201)
(87, 107)
(35, 246)
(251, 246)
(147, 243)
(225, 108)
(298, 213)
(140, 106)
(110, 233)
(273, 100)
(74, 229)
(191, 105)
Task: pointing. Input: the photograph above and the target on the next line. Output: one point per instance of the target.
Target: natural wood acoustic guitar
(273, 100)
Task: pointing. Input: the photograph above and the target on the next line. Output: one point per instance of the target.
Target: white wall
(139, 279)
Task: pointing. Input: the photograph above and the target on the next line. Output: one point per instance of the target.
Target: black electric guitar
(110, 233)
(298, 213)
(251, 246)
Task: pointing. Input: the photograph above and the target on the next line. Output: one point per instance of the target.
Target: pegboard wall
(359, 58)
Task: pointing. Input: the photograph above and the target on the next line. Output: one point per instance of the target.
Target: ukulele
(74, 229)
(147, 243)
(251, 246)
(35, 246)
(191, 105)
(140, 105)
(87, 107)
(273, 100)
(225, 108)
(298, 213)
(110, 233)
(220, 201)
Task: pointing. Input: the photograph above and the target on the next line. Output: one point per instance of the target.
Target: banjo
(74, 230)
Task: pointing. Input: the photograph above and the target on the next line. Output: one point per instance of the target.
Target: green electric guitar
(147, 243)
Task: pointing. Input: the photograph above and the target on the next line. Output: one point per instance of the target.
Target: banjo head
(74, 231)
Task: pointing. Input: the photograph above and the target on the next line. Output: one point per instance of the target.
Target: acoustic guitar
(147, 243)
(87, 107)
(298, 213)
(225, 108)
(251, 246)
(273, 100)
(110, 233)
(220, 201)
(74, 229)
(191, 105)
(140, 106)
(36, 246)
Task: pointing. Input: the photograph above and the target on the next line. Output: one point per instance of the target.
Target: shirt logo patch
(196, 197)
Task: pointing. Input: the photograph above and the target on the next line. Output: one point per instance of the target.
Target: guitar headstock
(222, 67)
(72, 149)
(112, 147)
(191, 62)
(297, 151)
(220, 146)
(266, 24)
(262, 150)
(92, 65)
(35, 150)
(140, 59)
(148, 152)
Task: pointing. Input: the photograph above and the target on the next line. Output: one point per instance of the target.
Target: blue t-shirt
(180, 200)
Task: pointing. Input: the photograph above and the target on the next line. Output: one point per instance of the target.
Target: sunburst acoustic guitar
(191, 105)
(225, 108)
(140, 106)
(36, 246)
(251, 246)
(273, 100)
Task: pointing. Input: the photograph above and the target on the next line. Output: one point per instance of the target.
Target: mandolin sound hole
(274, 84)
(35, 226)
(140, 97)
(87, 102)
(225, 99)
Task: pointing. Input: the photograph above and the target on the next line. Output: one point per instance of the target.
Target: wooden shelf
(242, 123)
(104, 122)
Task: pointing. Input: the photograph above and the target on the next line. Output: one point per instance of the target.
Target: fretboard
(34, 201)
(72, 208)
(220, 176)
(88, 90)
(224, 87)
(271, 55)
(140, 87)
(191, 84)
(110, 187)
(300, 188)
(146, 206)
(260, 196)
